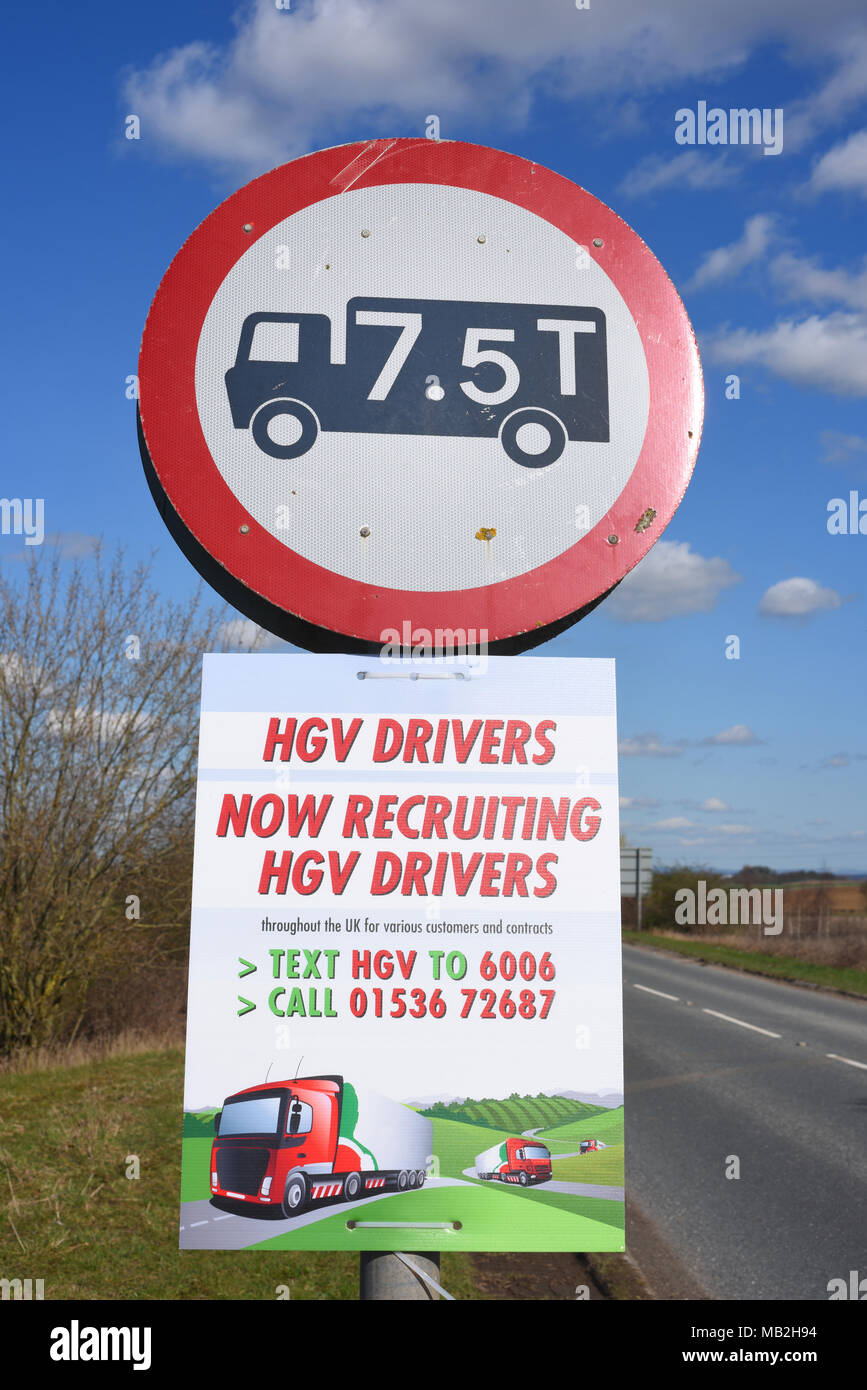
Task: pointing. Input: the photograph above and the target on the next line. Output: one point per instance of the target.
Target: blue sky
(760, 759)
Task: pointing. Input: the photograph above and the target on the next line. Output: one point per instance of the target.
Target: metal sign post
(636, 875)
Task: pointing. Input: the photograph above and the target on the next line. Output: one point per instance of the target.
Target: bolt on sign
(405, 995)
(416, 381)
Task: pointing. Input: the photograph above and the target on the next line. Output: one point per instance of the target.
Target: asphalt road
(779, 1082)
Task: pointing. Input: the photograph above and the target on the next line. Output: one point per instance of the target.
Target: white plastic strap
(422, 1274)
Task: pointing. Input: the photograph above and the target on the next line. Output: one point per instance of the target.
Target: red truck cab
(528, 1161)
(265, 1132)
(289, 1144)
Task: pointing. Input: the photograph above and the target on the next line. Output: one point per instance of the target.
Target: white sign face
(421, 256)
(416, 381)
(405, 954)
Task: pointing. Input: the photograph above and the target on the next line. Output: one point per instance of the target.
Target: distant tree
(660, 905)
(99, 695)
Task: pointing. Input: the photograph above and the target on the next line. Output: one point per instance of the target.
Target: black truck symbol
(427, 367)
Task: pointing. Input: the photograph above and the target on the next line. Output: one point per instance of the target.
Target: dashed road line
(741, 1024)
(660, 993)
(850, 1062)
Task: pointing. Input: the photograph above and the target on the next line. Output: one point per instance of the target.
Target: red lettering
(417, 865)
(309, 749)
(491, 875)
(515, 876)
(358, 808)
(545, 744)
(418, 731)
(585, 829)
(490, 741)
(382, 751)
(516, 735)
(234, 815)
(341, 876)
(550, 883)
(386, 873)
(275, 737)
(384, 817)
(343, 742)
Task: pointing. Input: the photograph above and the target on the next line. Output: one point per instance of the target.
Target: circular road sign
(415, 387)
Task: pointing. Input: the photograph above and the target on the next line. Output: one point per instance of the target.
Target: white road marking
(227, 1217)
(662, 995)
(848, 1060)
(193, 1224)
(739, 1021)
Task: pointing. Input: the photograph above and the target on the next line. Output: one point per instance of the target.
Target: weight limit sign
(415, 385)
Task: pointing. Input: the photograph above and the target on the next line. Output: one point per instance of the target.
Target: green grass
(513, 1115)
(604, 1166)
(848, 978)
(495, 1217)
(70, 1216)
(608, 1127)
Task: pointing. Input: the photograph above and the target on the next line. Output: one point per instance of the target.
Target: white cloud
(669, 582)
(798, 598)
(649, 746)
(843, 168)
(727, 261)
(841, 448)
(734, 829)
(638, 801)
(739, 735)
(673, 823)
(802, 278)
(693, 169)
(288, 80)
(827, 353)
(713, 803)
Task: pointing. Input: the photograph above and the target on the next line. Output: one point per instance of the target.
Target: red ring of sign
(265, 566)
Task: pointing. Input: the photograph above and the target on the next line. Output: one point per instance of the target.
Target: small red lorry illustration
(588, 1145)
(515, 1160)
(288, 1144)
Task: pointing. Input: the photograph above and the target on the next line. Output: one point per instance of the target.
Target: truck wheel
(523, 435)
(295, 1196)
(420, 1175)
(294, 410)
(351, 1187)
(402, 1179)
(412, 1178)
(523, 1179)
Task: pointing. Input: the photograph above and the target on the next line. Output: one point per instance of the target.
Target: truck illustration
(289, 1144)
(532, 375)
(590, 1145)
(515, 1160)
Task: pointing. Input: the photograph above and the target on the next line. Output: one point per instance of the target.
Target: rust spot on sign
(486, 533)
(645, 519)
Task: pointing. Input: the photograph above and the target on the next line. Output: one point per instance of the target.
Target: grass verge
(847, 979)
(70, 1215)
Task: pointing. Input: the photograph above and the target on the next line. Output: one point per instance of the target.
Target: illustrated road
(722, 1066)
(205, 1227)
(571, 1189)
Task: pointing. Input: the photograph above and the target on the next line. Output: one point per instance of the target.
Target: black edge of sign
(289, 626)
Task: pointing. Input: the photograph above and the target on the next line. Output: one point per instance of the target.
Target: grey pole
(638, 884)
(384, 1276)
